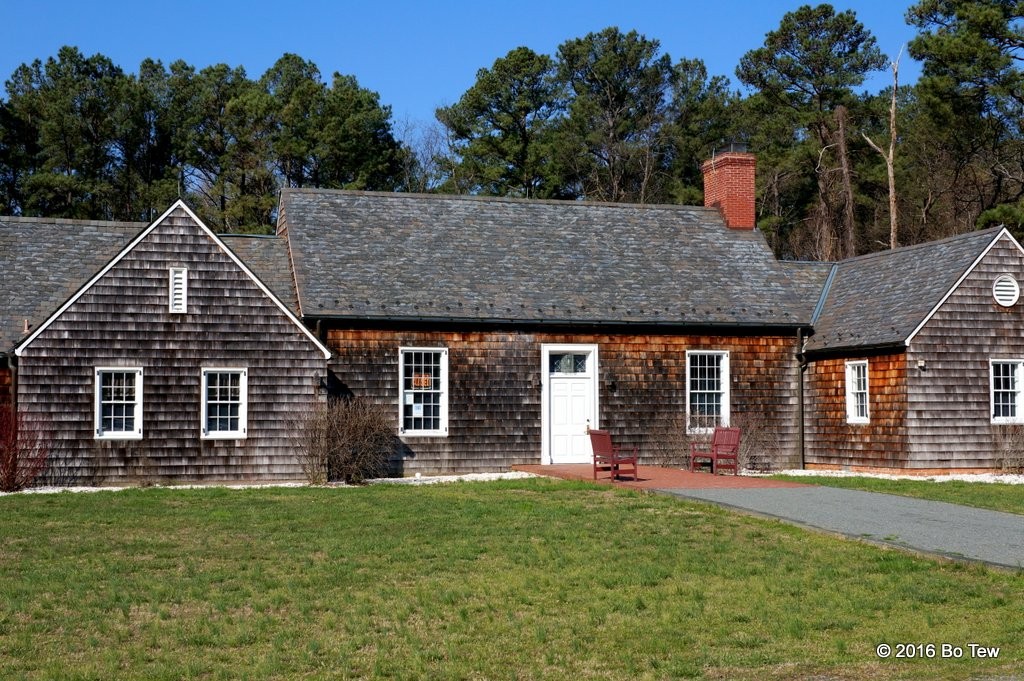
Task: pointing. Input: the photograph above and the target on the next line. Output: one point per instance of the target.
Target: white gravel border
(416, 480)
(1004, 478)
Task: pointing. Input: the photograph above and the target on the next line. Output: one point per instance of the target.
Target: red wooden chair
(723, 451)
(609, 457)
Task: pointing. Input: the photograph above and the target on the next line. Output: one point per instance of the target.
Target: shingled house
(917, 357)
(153, 352)
(499, 330)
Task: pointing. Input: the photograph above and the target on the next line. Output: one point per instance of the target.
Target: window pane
(706, 390)
(224, 397)
(422, 389)
(117, 402)
(1004, 389)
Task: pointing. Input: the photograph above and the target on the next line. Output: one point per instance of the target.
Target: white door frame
(545, 392)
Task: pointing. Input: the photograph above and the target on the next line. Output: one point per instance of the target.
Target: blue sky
(416, 55)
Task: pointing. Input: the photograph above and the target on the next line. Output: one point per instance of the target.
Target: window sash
(1005, 391)
(224, 403)
(707, 390)
(857, 392)
(423, 391)
(118, 403)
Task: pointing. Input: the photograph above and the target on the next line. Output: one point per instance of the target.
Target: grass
(529, 579)
(994, 496)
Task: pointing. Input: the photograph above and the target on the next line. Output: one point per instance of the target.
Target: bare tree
(849, 223)
(891, 155)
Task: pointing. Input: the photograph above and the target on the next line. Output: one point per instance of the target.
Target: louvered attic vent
(1006, 290)
(179, 290)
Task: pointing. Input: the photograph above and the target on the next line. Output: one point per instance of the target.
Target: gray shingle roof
(435, 257)
(267, 257)
(879, 299)
(43, 261)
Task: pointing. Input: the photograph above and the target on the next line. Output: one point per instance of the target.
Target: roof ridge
(497, 199)
(71, 221)
(925, 244)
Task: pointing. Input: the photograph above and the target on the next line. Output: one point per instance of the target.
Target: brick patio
(655, 477)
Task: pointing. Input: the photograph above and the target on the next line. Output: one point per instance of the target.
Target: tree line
(80, 138)
(608, 117)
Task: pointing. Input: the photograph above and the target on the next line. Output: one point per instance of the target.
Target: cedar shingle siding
(495, 389)
(949, 419)
(831, 440)
(123, 320)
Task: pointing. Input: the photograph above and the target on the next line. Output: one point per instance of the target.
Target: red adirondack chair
(723, 451)
(609, 457)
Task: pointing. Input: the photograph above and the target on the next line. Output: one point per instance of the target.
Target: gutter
(865, 348)
(573, 323)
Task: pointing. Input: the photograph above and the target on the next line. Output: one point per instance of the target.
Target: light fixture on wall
(922, 365)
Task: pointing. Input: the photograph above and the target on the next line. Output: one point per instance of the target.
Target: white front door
(570, 386)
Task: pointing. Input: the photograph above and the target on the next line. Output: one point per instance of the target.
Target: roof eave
(832, 350)
(561, 322)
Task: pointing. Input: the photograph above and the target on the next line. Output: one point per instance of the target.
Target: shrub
(759, 442)
(24, 448)
(668, 443)
(349, 440)
(1010, 442)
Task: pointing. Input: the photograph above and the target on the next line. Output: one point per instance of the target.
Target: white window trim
(593, 373)
(1019, 389)
(726, 392)
(851, 394)
(98, 432)
(442, 431)
(172, 273)
(243, 407)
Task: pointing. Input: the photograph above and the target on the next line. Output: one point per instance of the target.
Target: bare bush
(668, 443)
(346, 440)
(759, 442)
(24, 448)
(1010, 444)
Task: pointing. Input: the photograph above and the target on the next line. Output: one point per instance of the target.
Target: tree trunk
(849, 224)
(894, 227)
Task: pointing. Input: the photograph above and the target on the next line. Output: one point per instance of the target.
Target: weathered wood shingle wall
(495, 388)
(123, 320)
(833, 442)
(949, 422)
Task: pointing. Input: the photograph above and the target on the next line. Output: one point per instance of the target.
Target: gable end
(19, 350)
(1004, 233)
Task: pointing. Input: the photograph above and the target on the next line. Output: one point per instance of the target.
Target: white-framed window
(177, 287)
(423, 391)
(707, 390)
(1005, 376)
(118, 403)
(225, 403)
(857, 410)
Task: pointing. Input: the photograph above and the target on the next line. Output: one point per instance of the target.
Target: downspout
(12, 366)
(800, 393)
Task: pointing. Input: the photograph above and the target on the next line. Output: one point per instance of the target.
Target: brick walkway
(654, 477)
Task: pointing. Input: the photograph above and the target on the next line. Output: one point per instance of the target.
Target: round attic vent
(1006, 290)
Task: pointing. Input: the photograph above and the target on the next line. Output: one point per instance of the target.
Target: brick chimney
(729, 186)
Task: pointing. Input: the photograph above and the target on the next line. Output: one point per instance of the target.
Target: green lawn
(995, 496)
(529, 579)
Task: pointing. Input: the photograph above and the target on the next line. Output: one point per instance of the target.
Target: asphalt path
(935, 527)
